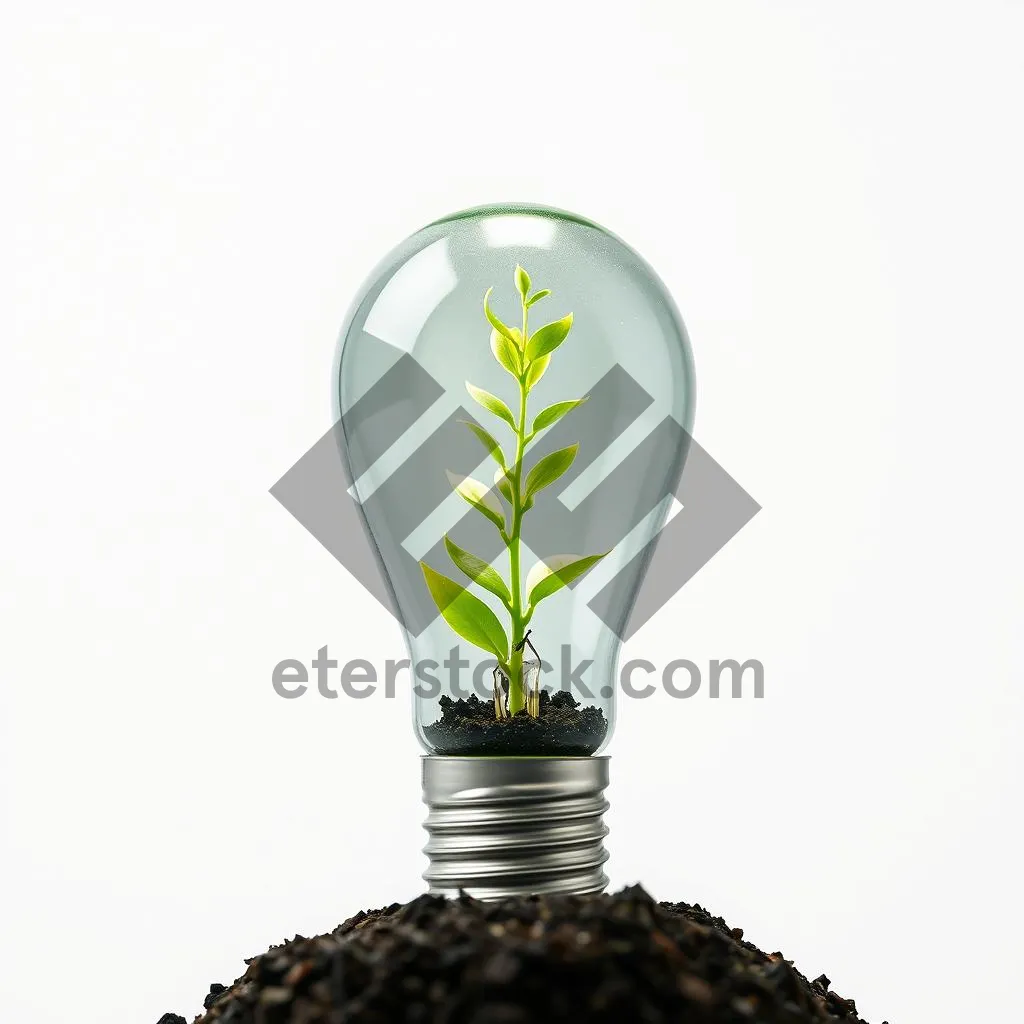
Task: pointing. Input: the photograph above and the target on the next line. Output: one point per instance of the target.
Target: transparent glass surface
(415, 336)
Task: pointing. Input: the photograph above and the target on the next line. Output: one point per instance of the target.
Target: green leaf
(494, 321)
(549, 576)
(522, 281)
(479, 497)
(491, 403)
(507, 353)
(487, 441)
(537, 296)
(549, 469)
(548, 338)
(536, 370)
(504, 485)
(478, 570)
(553, 413)
(468, 616)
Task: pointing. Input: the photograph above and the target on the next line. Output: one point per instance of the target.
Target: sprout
(525, 357)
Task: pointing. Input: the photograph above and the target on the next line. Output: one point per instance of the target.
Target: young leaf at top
(494, 321)
(537, 296)
(468, 616)
(479, 497)
(548, 338)
(507, 352)
(487, 441)
(553, 413)
(491, 403)
(536, 370)
(522, 281)
(549, 469)
(478, 570)
(549, 576)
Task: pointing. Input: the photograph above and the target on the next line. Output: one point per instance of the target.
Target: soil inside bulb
(564, 728)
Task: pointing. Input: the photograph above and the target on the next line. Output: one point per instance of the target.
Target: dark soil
(565, 728)
(621, 959)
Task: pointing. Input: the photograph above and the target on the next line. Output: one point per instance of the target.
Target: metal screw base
(508, 826)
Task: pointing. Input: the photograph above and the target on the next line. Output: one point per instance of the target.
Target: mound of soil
(613, 959)
(565, 728)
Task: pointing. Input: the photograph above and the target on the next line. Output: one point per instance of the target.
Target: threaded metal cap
(507, 826)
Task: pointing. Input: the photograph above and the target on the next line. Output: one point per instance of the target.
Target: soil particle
(613, 959)
(564, 728)
(216, 991)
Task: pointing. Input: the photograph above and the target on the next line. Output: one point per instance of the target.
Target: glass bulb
(514, 526)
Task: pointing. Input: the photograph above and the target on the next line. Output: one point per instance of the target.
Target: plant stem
(516, 690)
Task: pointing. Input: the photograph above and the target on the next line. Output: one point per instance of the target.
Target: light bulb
(515, 390)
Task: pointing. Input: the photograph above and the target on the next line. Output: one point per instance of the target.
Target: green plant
(525, 357)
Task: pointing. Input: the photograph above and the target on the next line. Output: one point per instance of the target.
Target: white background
(190, 199)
